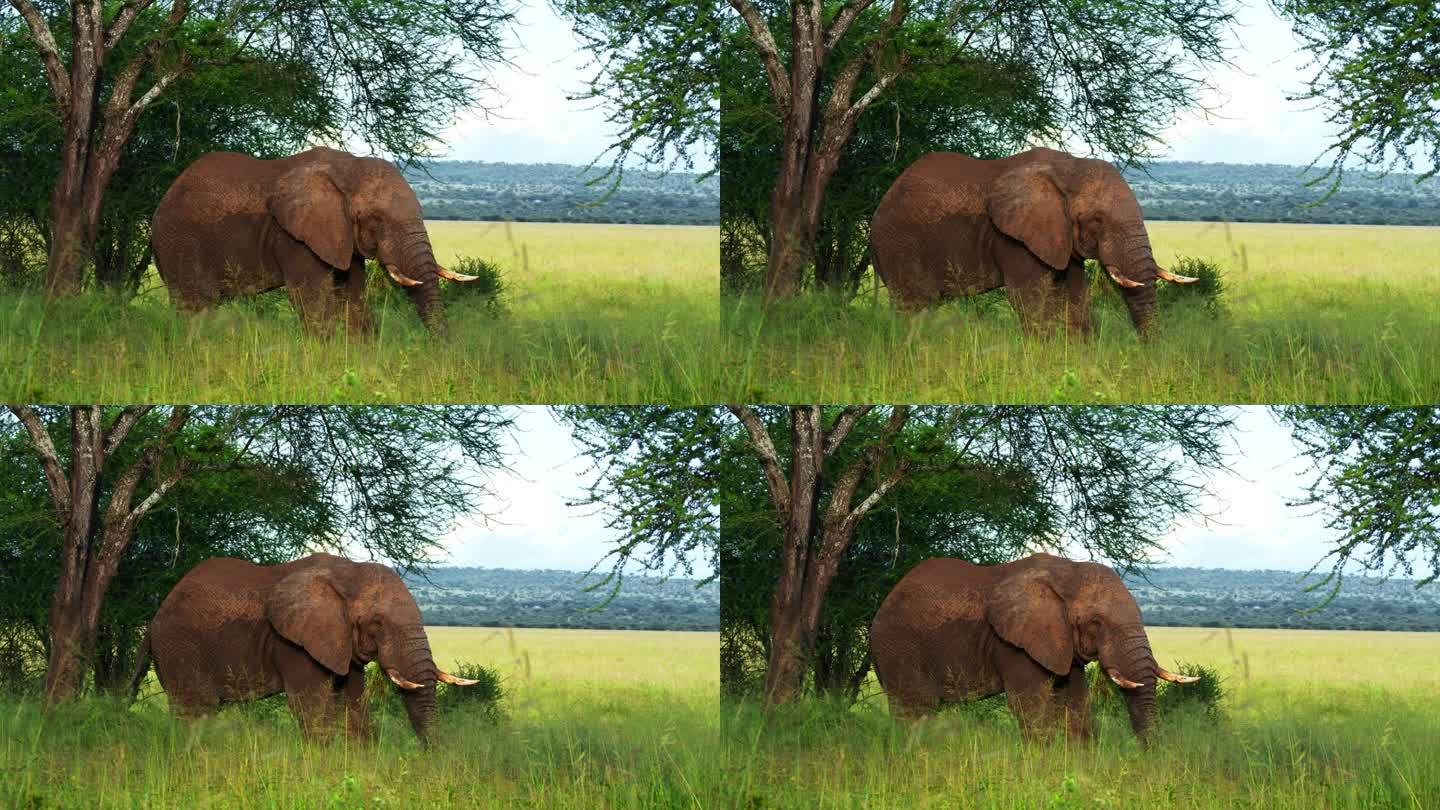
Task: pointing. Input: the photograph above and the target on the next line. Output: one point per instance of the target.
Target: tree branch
(769, 459)
(843, 19)
(765, 43)
(123, 18)
(115, 436)
(843, 424)
(45, 448)
(55, 72)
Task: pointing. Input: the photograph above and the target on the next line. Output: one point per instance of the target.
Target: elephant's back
(213, 593)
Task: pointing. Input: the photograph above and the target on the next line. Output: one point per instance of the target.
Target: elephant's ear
(1026, 611)
(1027, 206)
(306, 610)
(310, 207)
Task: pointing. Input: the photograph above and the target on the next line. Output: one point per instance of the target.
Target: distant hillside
(1209, 597)
(554, 192)
(1271, 193)
(497, 597)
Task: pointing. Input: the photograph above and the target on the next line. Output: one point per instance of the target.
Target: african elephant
(232, 630)
(952, 225)
(233, 225)
(953, 631)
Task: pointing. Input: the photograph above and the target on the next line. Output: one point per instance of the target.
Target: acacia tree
(1375, 66)
(655, 67)
(395, 71)
(397, 478)
(1115, 75)
(1117, 477)
(1377, 482)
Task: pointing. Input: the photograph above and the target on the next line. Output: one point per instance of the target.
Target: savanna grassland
(592, 718)
(1311, 313)
(589, 313)
(1332, 719)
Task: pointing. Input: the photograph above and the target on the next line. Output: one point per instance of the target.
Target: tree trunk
(70, 639)
(790, 640)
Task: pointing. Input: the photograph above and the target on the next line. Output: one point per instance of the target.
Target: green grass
(1314, 719)
(1315, 313)
(595, 313)
(594, 719)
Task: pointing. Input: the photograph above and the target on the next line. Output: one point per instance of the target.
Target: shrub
(1204, 698)
(1207, 293)
(488, 291)
(484, 698)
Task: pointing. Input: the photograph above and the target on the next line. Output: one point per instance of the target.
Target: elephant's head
(340, 205)
(348, 614)
(1061, 207)
(1067, 612)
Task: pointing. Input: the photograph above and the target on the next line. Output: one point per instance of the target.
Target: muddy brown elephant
(952, 226)
(952, 631)
(232, 631)
(232, 225)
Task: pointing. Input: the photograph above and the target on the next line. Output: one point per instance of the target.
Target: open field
(1315, 719)
(596, 313)
(1316, 313)
(596, 719)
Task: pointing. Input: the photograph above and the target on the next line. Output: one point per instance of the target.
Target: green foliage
(549, 192)
(488, 290)
(1374, 64)
(1376, 480)
(1207, 293)
(654, 69)
(483, 700)
(1206, 698)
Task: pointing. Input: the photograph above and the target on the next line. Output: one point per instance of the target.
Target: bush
(1204, 698)
(484, 698)
(1207, 293)
(488, 291)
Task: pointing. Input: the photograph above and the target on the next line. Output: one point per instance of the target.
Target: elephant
(231, 631)
(233, 225)
(951, 225)
(951, 631)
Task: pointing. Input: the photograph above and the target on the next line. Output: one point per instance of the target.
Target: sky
(1253, 525)
(537, 122)
(531, 524)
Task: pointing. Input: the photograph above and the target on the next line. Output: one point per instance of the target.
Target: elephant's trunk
(416, 261)
(1128, 656)
(408, 659)
(1135, 261)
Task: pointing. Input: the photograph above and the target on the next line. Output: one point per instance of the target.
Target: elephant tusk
(1121, 280)
(1173, 678)
(1121, 680)
(453, 276)
(400, 278)
(401, 682)
(448, 678)
(1169, 276)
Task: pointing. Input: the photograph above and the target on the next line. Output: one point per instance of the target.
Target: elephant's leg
(357, 710)
(310, 689)
(314, 287)
(1035, 289)
(1077, 300)
(1075, 693)
(358, 318)
(1030, 691)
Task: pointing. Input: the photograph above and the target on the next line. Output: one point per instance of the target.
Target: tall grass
(1312, 719)
(593, 313)
(1312, 313)
(592, 719)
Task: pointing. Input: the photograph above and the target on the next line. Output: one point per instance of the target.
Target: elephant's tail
(142, 666)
